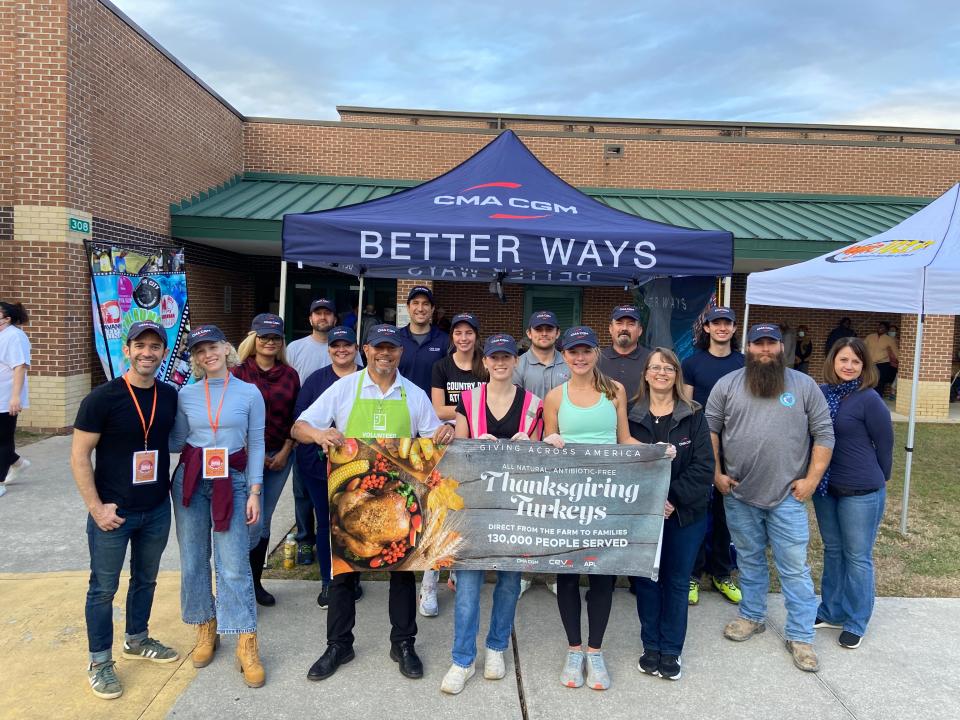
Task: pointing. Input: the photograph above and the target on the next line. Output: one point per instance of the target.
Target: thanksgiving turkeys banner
(407, 504)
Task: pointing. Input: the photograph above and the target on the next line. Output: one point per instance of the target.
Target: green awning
(774, 227)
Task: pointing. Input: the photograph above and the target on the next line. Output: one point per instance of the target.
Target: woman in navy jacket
(662, 413)
(850, 499)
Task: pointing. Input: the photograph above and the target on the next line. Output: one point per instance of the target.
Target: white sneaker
(456, 678)
(428, 598)
(3, 489)
(493, 666)
(17, 468)
(553, 587)
(524, 585)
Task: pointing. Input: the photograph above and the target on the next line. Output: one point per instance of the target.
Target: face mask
(892, 333)
(801, 333)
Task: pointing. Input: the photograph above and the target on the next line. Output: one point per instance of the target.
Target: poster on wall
(672, 309)
(408, 504)
(134, 283)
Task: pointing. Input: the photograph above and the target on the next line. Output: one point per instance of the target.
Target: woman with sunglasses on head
(263, 363)
(589, 408)
(14, 363)
(495, 410)
(217, 486)
(663, 413)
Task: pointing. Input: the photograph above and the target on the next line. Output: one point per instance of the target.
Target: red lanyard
(153, 411)
(215, 421)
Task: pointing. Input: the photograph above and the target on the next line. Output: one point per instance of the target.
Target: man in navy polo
(423, 343)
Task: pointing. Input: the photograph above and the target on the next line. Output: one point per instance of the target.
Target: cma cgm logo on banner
(881, 249)
(514, 202)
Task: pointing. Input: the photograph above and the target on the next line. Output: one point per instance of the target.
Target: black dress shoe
(263, 597)
(327, 665)
(404, 654)
(323, 599)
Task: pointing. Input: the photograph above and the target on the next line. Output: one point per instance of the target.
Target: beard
(624, 340)
(765, 379)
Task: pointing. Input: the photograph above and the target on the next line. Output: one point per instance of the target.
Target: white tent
(914, 267)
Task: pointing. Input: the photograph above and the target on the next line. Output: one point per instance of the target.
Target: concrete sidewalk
(906, 668)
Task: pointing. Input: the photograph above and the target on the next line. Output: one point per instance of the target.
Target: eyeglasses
(664, 369)
(270, 339)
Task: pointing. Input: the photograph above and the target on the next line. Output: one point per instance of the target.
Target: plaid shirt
(279, 386)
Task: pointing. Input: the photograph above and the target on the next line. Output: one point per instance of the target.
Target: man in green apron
(375, 403)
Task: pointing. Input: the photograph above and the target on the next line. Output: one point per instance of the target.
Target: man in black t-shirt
(127, 422)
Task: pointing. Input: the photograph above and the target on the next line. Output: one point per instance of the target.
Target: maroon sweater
(279, 386)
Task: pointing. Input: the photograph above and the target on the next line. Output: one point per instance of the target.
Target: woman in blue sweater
(850, 499)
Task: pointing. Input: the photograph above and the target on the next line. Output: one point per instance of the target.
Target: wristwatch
(258, 491)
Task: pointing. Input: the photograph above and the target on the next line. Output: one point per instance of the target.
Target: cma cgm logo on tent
(882, 249)
(545, 207)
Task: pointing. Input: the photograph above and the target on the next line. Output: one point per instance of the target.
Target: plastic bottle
(290, 552)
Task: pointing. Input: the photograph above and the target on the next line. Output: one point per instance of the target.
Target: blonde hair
(669, 357)
(248, 348)
(197, 369)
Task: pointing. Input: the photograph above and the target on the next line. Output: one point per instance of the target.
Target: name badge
(144, 467)
(380, 422)
(215, 463)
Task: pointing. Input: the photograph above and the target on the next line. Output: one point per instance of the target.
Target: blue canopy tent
(501, 217)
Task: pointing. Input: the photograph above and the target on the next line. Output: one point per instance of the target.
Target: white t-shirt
(14, 351)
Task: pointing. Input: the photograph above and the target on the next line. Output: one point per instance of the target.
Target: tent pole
(746, 326)
(727, 282)
(283, 289)
(360, 312)
(911, 424)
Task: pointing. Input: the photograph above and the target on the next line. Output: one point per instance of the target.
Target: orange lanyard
(215, 421)
(153, 411)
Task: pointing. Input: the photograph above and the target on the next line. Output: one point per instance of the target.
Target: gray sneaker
(150, 649)
(597, 676)
(572, 674)
(104, 681)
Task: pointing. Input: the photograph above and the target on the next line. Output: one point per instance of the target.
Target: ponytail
(604, 384)
(17, 313)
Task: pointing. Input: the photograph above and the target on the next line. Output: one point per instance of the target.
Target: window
(564, 301)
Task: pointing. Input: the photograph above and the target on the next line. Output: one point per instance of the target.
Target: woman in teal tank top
(588, 408)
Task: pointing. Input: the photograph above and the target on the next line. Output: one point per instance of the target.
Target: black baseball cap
(323, 304)
(622, 311)
(579, 335)
(342, 334)
(500, 342)
(764, 330)
(468, 318)
(380, 334)
(205, 333)
(139, 328)
(420, 290)
(267, 324)
(720, 313)
(543, 317)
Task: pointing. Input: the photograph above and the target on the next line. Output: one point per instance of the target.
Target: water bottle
(290, 552)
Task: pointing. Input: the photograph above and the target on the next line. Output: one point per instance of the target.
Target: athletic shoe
(17, 469)
(597, 676)
(821, 623)
(428, 601)
(104, 681)
(456, 678)
(3, 489)
(524, 583)
(849, 640)
(493, 666)
(728, 588)
(803, 655)
(693, 597)
(649, 662)
(572, 674)
(150, 649)
(670, 667)
(553, 587)
(323, 599)
(742, 629)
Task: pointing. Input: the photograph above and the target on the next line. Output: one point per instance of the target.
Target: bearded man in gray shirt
(763, 416)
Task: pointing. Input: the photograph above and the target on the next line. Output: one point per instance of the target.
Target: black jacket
(691, 474)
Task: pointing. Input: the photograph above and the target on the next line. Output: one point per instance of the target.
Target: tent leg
(360, 313)
(727, 288)
(283, 289)
(746, 326)
(911, 424)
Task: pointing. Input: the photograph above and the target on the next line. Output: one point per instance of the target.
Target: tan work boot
(742, 629)
(207, 641)
(248, 660)
(804, 656)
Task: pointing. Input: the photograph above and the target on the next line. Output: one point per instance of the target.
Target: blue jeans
(147, 533)
(662, 604)
(303, 511)
(234, 606)
(786, 529)
(273, 482)
(466, 613)
(848, 526)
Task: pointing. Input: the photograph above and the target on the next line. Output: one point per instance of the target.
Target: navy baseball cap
(543, 317)
(764, 330)
(579, 335)
(501, 342)
(420, 290)
(622, 311)
(323, 304)
(267, 324)
(468, 318)
(720, 313)
(205, 333)
(342, 334)
(380, 334)
(139, 328)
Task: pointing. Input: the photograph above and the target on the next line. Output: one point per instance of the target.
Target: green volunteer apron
(374, 418)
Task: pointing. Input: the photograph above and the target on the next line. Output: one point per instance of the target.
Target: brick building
(99, 123)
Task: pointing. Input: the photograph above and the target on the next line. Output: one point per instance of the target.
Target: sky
(847, 62)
